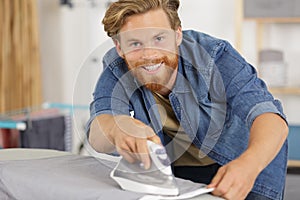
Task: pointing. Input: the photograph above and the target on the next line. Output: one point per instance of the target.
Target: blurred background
(51, 53)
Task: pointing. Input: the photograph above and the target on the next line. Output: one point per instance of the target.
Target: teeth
(152, 67)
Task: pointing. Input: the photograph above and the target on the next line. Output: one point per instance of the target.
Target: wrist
(253, 160)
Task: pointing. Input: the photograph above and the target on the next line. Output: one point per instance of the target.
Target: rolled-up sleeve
(246, 93)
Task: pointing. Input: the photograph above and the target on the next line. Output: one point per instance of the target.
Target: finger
(130, 144)
(126, 151)
(217, 178)
(148, 131)
(144, 153)
(224, 185)
(155, 139)
(127, 156)
(235, 192)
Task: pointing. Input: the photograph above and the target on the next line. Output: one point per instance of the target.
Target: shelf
(293, 163)
(260, 22)
(274, 20)
(259, 36)
(285, 90)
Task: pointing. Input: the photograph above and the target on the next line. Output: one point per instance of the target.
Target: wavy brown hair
(117, 13)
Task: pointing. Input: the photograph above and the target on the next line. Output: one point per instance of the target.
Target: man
(192, 93)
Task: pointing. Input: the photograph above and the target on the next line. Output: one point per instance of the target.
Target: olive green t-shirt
(185, 152)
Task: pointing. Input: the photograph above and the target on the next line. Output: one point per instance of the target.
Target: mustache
(155, 61)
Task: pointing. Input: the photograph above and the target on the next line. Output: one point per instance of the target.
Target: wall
(286, 38)
(67, 37)
(51, 48)
(73, 39)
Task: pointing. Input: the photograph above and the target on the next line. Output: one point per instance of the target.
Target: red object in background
(9, 138)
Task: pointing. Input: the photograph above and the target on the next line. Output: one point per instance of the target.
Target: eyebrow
(132, 40)
(160, 33)
(138, 40)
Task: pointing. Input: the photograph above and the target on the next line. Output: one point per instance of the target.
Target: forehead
(152, 19)
(145, 33)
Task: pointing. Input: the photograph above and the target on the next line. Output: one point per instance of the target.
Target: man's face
(150, 49)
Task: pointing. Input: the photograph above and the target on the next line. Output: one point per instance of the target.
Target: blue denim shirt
(216, 97)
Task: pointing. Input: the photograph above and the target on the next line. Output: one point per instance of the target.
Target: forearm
(267, 135)
(98, 136)
(236, 179)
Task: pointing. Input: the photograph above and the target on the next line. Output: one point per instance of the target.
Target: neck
(166, 90)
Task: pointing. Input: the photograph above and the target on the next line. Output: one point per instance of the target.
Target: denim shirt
(216, 97)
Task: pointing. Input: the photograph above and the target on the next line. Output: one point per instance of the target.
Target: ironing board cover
(69, 177)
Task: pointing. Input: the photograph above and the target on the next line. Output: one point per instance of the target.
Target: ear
(118, 48)
(178, 33)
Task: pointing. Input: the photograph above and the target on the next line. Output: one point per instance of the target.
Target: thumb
(155, 139)
(217, 178)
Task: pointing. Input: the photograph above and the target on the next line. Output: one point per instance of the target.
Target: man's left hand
(234, 180)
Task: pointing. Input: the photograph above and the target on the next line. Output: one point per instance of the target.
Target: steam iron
(157, 180)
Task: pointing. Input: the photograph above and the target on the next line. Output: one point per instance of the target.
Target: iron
(157, 180)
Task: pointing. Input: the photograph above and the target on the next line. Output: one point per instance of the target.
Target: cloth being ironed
(69, 177)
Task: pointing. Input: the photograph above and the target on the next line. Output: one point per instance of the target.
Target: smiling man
(150, 48)
(192, 93)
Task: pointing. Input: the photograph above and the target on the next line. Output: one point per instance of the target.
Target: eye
(159, 38)
(135, 44)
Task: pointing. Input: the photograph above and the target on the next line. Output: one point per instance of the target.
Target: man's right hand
(125, 134)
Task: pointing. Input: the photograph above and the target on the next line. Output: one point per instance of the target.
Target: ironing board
(50, 174)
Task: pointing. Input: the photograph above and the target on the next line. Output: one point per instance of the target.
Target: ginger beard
(154, 74)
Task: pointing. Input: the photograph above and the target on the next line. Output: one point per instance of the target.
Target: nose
(149, 53)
